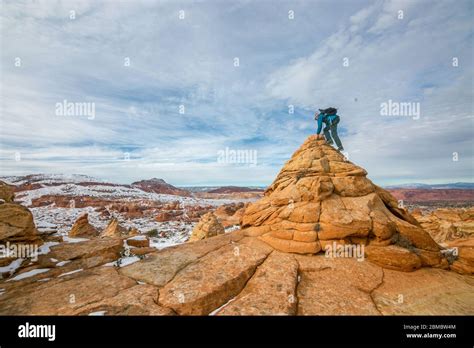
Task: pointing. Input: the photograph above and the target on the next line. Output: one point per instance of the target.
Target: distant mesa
(234, 189)
(160, 186)
(449, 186)
(410, 195)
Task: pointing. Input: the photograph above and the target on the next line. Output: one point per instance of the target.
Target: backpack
(329, 111)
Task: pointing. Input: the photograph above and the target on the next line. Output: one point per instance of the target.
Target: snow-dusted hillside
(53, 216)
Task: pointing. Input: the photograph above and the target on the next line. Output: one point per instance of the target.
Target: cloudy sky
(175, 83)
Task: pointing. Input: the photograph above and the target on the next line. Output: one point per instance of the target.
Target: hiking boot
(329, 142)
(340, 148)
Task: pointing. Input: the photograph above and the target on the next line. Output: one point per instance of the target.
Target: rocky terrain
(452, 228)
(434, 195)
(323, 240)
(166, 212)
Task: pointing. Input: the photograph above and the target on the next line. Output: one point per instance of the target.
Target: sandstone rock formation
(115, 230)
(16, 224)
(207, 227)
(452, 228)
(6, 192)
(138, 242)
(269, 267)
(164, 216)
(230, 274)
(82, 228)
(463, 262)
(446, 225)
(230, 214)
(319, 198)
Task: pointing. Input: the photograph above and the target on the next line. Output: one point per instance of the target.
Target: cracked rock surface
(235, 275)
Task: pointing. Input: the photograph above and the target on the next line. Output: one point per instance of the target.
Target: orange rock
(291, 246)
(212, 281)
(319, 197)
(82, 228)
(393, 257)
(448, 224)
(427, 291)
(6, 192)
(164, 216)
(114, 230)
(17, 225)
(270, 291)
(207, 227)
(139, 242)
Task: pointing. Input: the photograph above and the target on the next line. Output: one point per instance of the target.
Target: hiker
(330, 118)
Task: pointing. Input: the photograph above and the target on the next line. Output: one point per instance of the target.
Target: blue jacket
(327, 119)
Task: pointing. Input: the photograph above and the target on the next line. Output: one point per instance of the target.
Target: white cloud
(190, 62)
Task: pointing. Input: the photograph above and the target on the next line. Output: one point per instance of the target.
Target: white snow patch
(62, 263)
(28, 274)
(124, 261)
(12, 267)
(137, 238)
(72, 272)
(232, 228)
(98, 313)
(128, 260)
(68, 239)
(218, 309)
(45, 248)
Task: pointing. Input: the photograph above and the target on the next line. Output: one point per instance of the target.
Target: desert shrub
(152, 233)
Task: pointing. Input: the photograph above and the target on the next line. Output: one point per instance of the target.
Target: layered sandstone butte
(208, 226)
(319, 198)
(160, 186)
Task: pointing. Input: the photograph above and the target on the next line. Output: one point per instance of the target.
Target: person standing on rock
(330, 119)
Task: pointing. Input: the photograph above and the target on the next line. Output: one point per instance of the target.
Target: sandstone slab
(427, 291)
(207, 284)
(160, 267)
(270, 291)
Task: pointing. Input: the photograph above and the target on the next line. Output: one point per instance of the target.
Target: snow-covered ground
(81, 185)
(110, 193)
(50, 219)
(59, 220)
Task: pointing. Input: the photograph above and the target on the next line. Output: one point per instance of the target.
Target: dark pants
(332, 128)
